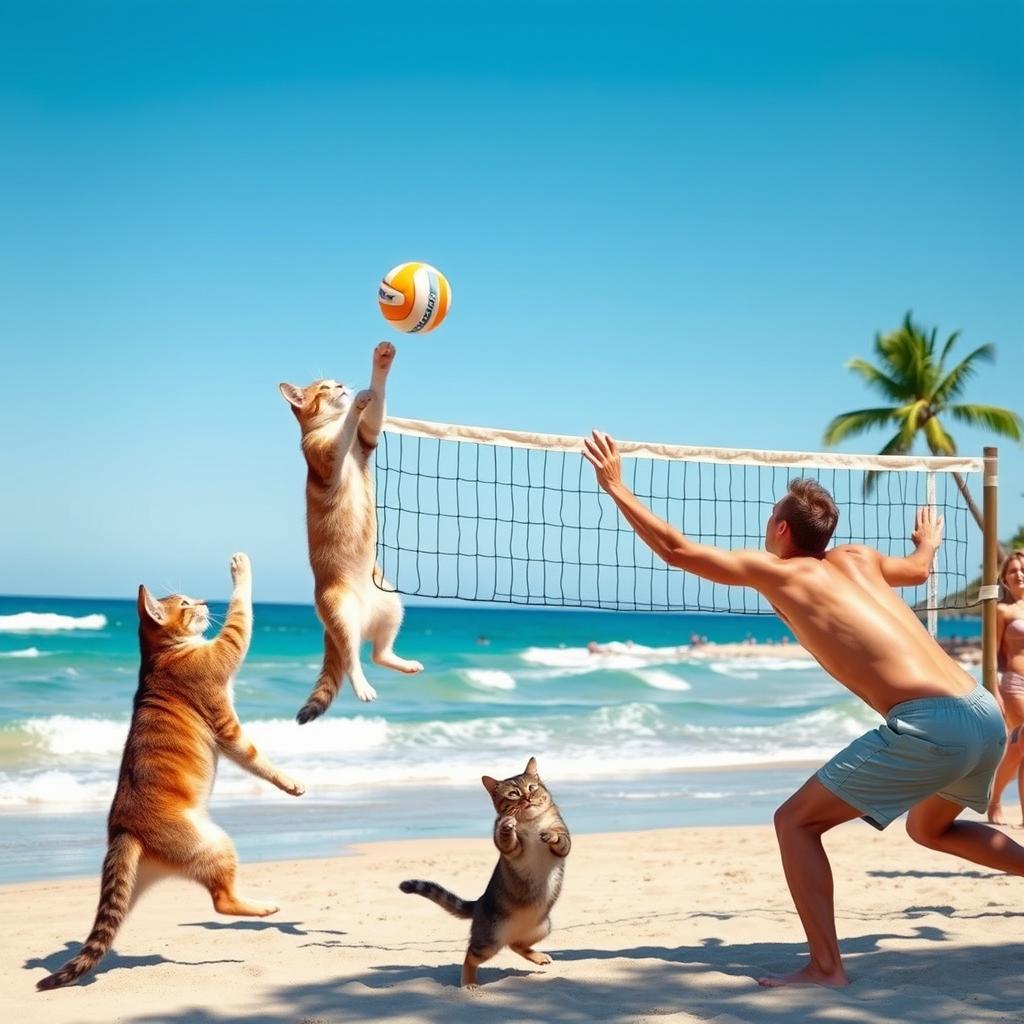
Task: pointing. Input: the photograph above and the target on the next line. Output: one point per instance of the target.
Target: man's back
(841, 609)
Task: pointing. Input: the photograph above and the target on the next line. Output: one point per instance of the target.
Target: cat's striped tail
(324, 691)
(116, 887)
(317, 702)
(442, 897)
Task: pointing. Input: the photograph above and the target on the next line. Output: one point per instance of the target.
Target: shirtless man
(943, 736)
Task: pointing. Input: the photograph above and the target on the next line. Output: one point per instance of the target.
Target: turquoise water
(651, 736)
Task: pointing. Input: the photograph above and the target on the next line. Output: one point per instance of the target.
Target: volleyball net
(477, 514)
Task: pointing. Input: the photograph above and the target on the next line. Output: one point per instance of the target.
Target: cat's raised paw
(241, 567)
(292, 788)
(508, 824)
(383, 356)
(362, 400)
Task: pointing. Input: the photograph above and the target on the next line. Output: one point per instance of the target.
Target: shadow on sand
(915, 986)
(284, 927)
(113, 961)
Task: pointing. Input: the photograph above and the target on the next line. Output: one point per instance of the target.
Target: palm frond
(947, 348)
(952, 385)
(847, 424)
(912, 417)
(1000, 421)
(874, 377)
(907, 354)
(938, 440)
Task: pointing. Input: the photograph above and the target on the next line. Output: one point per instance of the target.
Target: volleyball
(414, 297)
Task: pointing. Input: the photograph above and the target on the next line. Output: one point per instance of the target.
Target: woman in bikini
(1010, 692)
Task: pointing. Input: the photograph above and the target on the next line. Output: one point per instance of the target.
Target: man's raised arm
(912, 570)
(737, 568)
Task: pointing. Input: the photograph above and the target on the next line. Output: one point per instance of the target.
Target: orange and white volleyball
(414, 297)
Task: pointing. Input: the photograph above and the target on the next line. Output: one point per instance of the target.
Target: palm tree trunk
(975, 511)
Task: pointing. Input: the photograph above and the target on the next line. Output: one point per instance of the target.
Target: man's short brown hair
(811, 513)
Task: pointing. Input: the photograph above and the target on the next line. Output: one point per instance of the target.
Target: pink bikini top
(1013, 639)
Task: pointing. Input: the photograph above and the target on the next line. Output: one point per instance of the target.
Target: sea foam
(489, 679)
(49, 622)
(614, 656)
(661, 680)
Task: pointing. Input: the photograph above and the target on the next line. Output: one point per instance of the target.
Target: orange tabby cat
(339, 434)
(183, 718)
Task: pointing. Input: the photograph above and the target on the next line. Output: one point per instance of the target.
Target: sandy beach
(672, 924)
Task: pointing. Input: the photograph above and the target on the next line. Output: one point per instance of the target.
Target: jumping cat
(339, 434)
(533, 842)
(183, 718)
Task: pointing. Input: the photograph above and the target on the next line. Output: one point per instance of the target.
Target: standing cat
(533, 842)
(183, 718)
(339, 434)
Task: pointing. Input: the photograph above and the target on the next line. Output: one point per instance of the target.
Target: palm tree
(913, 376)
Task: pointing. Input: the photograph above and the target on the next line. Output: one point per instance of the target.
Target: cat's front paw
(291, 787)
(507, 824)
(362, 400)
(241, 568)
(383, 357)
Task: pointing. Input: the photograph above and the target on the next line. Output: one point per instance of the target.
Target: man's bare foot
(996, 815)
(809, 975)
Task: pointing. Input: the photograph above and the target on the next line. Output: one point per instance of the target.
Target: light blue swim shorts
(948, 746)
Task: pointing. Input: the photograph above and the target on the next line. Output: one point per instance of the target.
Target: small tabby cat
(533, 842)
(183, 718)
(339, 434)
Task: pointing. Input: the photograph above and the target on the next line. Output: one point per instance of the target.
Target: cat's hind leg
(475, 956)
(524, 944)
(214, 865)
(345, 621)
(387, 619)
(342, 618)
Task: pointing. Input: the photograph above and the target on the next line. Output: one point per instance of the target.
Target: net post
(990, 559)
(933, 579)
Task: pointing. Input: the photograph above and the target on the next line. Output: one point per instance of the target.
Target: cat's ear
(489, 784)
(292, 395)
(149, 610)
(531, 767)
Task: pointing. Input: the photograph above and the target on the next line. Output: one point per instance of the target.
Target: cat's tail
(324, 691)
(116, 887)
(317, 703)
(442, 897)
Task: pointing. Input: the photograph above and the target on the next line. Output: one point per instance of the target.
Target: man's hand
(601, 453)
(927, 528)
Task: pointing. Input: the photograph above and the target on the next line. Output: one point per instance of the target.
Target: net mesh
(476, 520)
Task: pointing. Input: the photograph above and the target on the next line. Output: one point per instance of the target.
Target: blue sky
(675, 221)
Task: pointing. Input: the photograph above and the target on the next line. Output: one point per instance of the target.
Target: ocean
(647, 737)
